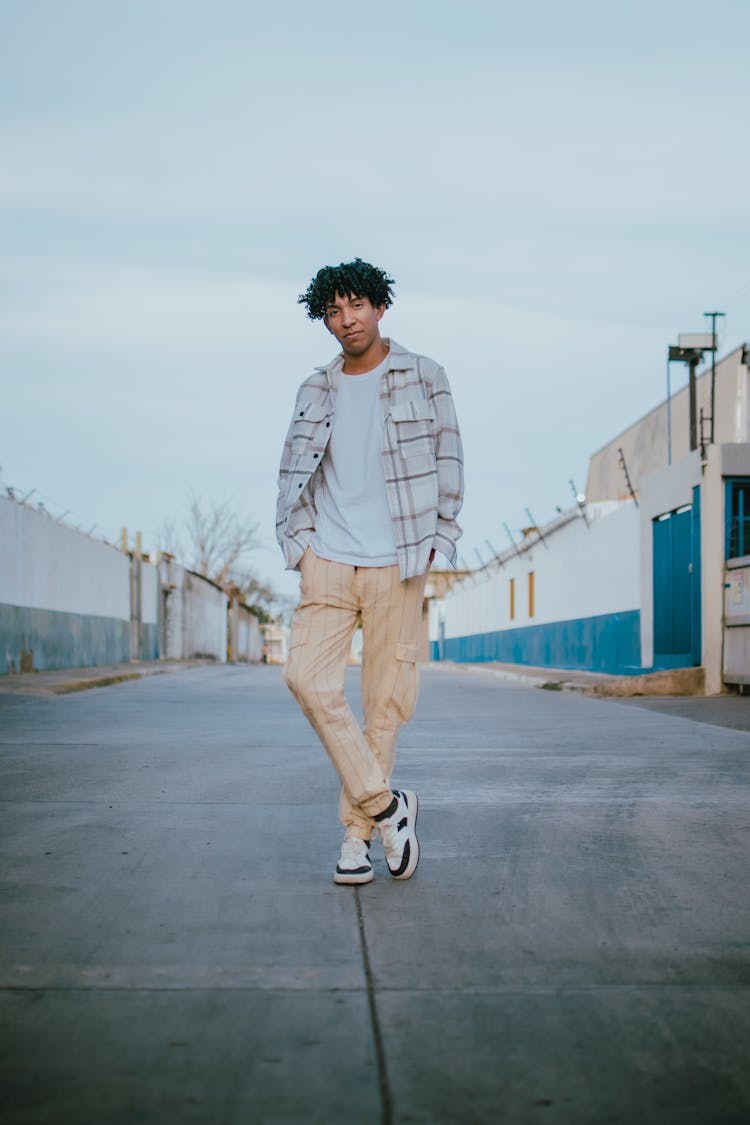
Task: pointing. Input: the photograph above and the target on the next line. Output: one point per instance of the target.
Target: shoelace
(389, 836)
(353, 850)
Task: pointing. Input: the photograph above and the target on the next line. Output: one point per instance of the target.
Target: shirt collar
(399, 359)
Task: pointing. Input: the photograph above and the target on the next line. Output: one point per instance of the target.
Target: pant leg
(391, 623)
(319, 645)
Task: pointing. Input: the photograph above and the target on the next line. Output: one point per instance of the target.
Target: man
(371, 482)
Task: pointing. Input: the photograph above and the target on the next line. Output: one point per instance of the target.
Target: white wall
(731, 460)
(720, 463)
(580, 570)
(46, 565)
(149, 594)
(246, 637)
(67, 599)
(195, 615)
(205, 627)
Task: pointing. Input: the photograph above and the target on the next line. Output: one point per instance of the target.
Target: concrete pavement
(574, 948)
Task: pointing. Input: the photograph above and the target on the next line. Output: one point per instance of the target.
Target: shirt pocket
(310, 428)
(414, 425)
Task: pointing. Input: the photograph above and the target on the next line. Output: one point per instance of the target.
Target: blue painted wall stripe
(43, 639)
(609, 643)
(149, 641)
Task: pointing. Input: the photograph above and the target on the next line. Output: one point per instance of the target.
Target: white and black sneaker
(354, 862)
(399, 836)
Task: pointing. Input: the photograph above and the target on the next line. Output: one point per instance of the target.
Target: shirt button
(302, 414)
(328, 425)
(315, 456)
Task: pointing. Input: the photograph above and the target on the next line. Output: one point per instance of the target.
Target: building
(68, 600)
(651, 572)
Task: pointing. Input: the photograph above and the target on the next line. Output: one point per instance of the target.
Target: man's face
(354, 322)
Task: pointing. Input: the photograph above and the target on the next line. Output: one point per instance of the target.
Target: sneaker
(354, 862)
(398, 833)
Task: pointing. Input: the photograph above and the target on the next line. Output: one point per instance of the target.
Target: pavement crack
(386, 1100)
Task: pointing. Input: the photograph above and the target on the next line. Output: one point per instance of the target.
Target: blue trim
(149, 641)
(42, 639)
(608, 643)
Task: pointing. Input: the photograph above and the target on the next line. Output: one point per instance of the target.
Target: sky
(557, 189)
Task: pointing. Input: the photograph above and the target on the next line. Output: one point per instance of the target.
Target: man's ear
(325, 321)
(379, 310)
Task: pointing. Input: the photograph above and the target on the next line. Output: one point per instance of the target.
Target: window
(512, 599)
(531, 593)
(737, 516)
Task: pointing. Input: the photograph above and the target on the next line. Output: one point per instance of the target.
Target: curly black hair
(350, 279)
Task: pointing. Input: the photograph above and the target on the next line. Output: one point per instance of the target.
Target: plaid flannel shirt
(422, 459)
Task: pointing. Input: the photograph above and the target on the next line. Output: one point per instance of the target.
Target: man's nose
(347, 316)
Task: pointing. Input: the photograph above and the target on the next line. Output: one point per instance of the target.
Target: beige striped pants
(333, 596)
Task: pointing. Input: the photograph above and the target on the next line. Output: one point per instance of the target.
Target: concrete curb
(674, 682)
(533, 677)
(66, 681)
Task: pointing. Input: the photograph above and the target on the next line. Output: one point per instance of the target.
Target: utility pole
(690, 348)
(713, 316)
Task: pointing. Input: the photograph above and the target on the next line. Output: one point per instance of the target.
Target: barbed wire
(55, 510)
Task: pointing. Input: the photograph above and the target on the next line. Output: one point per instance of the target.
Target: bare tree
(216, 540)
(219, 541)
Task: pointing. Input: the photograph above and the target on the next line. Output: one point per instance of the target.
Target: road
(574, 948)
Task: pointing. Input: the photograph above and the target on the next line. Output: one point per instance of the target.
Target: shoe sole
(412, 810)
(352, 878)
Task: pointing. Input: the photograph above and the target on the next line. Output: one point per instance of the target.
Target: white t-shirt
(353, 521)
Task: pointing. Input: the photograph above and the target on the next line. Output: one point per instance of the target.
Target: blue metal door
(677, 587)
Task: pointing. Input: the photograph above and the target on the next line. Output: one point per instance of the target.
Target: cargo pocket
(405, 696)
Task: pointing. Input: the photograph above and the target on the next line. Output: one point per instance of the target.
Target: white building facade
(653, 572)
